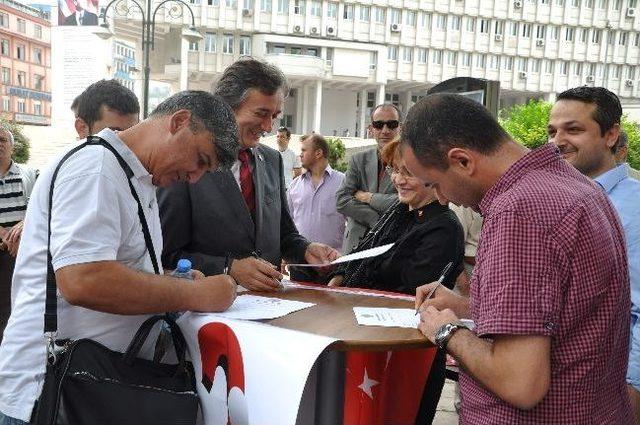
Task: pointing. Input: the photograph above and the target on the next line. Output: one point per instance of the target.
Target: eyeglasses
(394, 171)
(391, 124)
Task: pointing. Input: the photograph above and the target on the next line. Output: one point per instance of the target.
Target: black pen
(227, 264)
(441, 279)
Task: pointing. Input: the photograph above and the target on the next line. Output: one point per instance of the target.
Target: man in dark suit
(239, 219)
(367, 190)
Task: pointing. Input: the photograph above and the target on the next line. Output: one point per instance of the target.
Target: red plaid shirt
(551, 261)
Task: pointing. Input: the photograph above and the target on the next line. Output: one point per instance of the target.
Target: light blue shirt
(624, 193)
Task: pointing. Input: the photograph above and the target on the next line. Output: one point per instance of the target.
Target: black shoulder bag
(87, 383)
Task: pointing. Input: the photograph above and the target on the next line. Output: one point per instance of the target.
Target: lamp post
(124, 8)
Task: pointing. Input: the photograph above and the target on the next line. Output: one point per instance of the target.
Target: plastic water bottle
(183, 269)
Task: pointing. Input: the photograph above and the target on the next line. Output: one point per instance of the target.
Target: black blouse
(426, 239)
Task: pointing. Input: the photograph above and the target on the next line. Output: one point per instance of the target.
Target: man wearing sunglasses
(367, 190)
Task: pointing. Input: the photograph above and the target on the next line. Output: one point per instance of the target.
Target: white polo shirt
(289, 161)
(94, 218)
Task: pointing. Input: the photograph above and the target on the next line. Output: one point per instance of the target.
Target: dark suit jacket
(206, 221)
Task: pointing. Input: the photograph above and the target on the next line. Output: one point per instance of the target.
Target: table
(332, 316)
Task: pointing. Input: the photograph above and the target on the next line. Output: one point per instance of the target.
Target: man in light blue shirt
(585, 125)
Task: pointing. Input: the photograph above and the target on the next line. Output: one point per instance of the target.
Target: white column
(380, 97)
(299, 109)
(317, 112)
(406, 103)
(363, 112)
(551, 97)
(305, 109)
(184, 64)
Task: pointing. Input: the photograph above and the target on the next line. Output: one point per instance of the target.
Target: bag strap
(51, 305)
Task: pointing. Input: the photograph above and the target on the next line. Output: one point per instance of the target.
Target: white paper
(367, 253)
(254, 307)
(387, 317)
(286, 283)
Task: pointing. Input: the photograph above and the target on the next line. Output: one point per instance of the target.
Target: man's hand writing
(431, 319)
(441, 299)
(256, 274)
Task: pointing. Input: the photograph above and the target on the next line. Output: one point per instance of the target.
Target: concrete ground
(446, 412)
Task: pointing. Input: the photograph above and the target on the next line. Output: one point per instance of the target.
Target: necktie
(246, 180)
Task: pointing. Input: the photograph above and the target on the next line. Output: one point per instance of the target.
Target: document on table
(253, 307)
(366, 253)
(387, 317)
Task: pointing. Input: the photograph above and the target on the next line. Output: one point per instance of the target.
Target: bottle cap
(184, 265)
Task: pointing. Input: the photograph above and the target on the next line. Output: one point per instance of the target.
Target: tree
(21, 148)
(336, 154)
(527, 124)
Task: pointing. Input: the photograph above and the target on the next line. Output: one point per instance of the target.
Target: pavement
(446, 412)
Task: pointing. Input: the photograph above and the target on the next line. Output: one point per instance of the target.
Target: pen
(441, 279)
(227, 264)
(256, 254)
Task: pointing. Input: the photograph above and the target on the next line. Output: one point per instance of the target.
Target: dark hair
(285, 130)
(319, 142)
(386, 105)
(608, 110)
(212, 113)
(109, 93)
(442, 121)
(248, 73)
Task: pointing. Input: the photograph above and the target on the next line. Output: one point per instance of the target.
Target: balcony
(297, 65)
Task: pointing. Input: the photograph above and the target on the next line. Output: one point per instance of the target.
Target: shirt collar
(13, 169)
(609, 179)
(327, 171)
(536, 158)
(132, 160)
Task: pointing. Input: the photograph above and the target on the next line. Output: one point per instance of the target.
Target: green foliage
(336, 154)
(21, 148)
(633, 136)
(527, 123)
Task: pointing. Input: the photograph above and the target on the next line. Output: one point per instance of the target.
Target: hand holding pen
(441, 279)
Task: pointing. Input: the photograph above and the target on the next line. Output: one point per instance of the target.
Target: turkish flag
(385, 387)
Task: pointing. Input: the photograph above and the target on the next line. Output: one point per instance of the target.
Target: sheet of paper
(254, 307)
(387, 317)
(366, 253)
(286, 284)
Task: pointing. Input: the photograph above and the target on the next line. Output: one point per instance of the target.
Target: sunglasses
(391, 125)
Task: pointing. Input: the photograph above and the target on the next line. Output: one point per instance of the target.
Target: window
(564, 67)
(4, 47)
(541, 31)
(636, 39)
(526, 31)
(365, 13)
(210, 42)
(622, 40)
(575, 3)
(392, 53)
(456, 22)
(534, 66)
(312, 51)
(227, 44)
(37, 109)
(407, 54)
(617, 4)
(37, 31)
(266, 5)
(22, 25)
(577, 69)
(481, 60)
(611, 36)
(422, 55)
(494, 62)
(246, 4)
(588, 4)
(37, 55)
(21, 106)
(437, 57)
(507, 63)
(395, 16)
(631, 73)
(245, 45)
(591, 69)
(193, 46)
(38, 82)
(441, 22)
(583, 35)
(521, 64)
(379, 14)
(425, 20)
(513, 29)
(568, 34)
(484, 26)
(545, 1)
(296, 50)
(614, 72)
(298, 7)
(465, 59)
(602, 4)
(332, 9)
(231, 4)
(560, 2)
(347, 12)
(20, 52)
(452, 58)
(554, 32)
(6, 75)
(283, 6)
(548, 67)
(498, 27)
(471, 24)
(411, 18)
(4, 20)
(596, 35)
(6, 104)
(373, 60)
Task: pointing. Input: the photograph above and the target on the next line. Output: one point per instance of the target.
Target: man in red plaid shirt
(550, 291)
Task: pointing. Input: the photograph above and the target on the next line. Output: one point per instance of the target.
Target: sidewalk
(446, 413)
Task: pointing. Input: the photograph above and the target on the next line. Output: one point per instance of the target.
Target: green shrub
(21, 148)
(336, 154)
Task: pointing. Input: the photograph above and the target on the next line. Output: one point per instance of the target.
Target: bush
(336, 154)
(633, 135)
(21, 148)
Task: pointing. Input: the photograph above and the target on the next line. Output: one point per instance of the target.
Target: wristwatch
(445, 332)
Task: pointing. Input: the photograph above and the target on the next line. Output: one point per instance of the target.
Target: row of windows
(37, 56)
(21, 25)
(592, 4)
(125, 51)
(228, 43)
(21, 106)
(509, 63)
(21, 79)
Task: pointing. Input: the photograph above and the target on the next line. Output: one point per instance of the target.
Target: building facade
(343, 57)
(124, 64)
(25, 64)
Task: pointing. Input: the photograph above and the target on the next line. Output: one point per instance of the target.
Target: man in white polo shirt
(103, 269)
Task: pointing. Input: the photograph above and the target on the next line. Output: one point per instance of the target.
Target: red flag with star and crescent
(381, 389)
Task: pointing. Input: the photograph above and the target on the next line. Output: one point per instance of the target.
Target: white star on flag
(367, 384)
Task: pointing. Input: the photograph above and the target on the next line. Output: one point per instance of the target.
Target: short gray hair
(6, 130)
(212, 113)
(248, 73)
